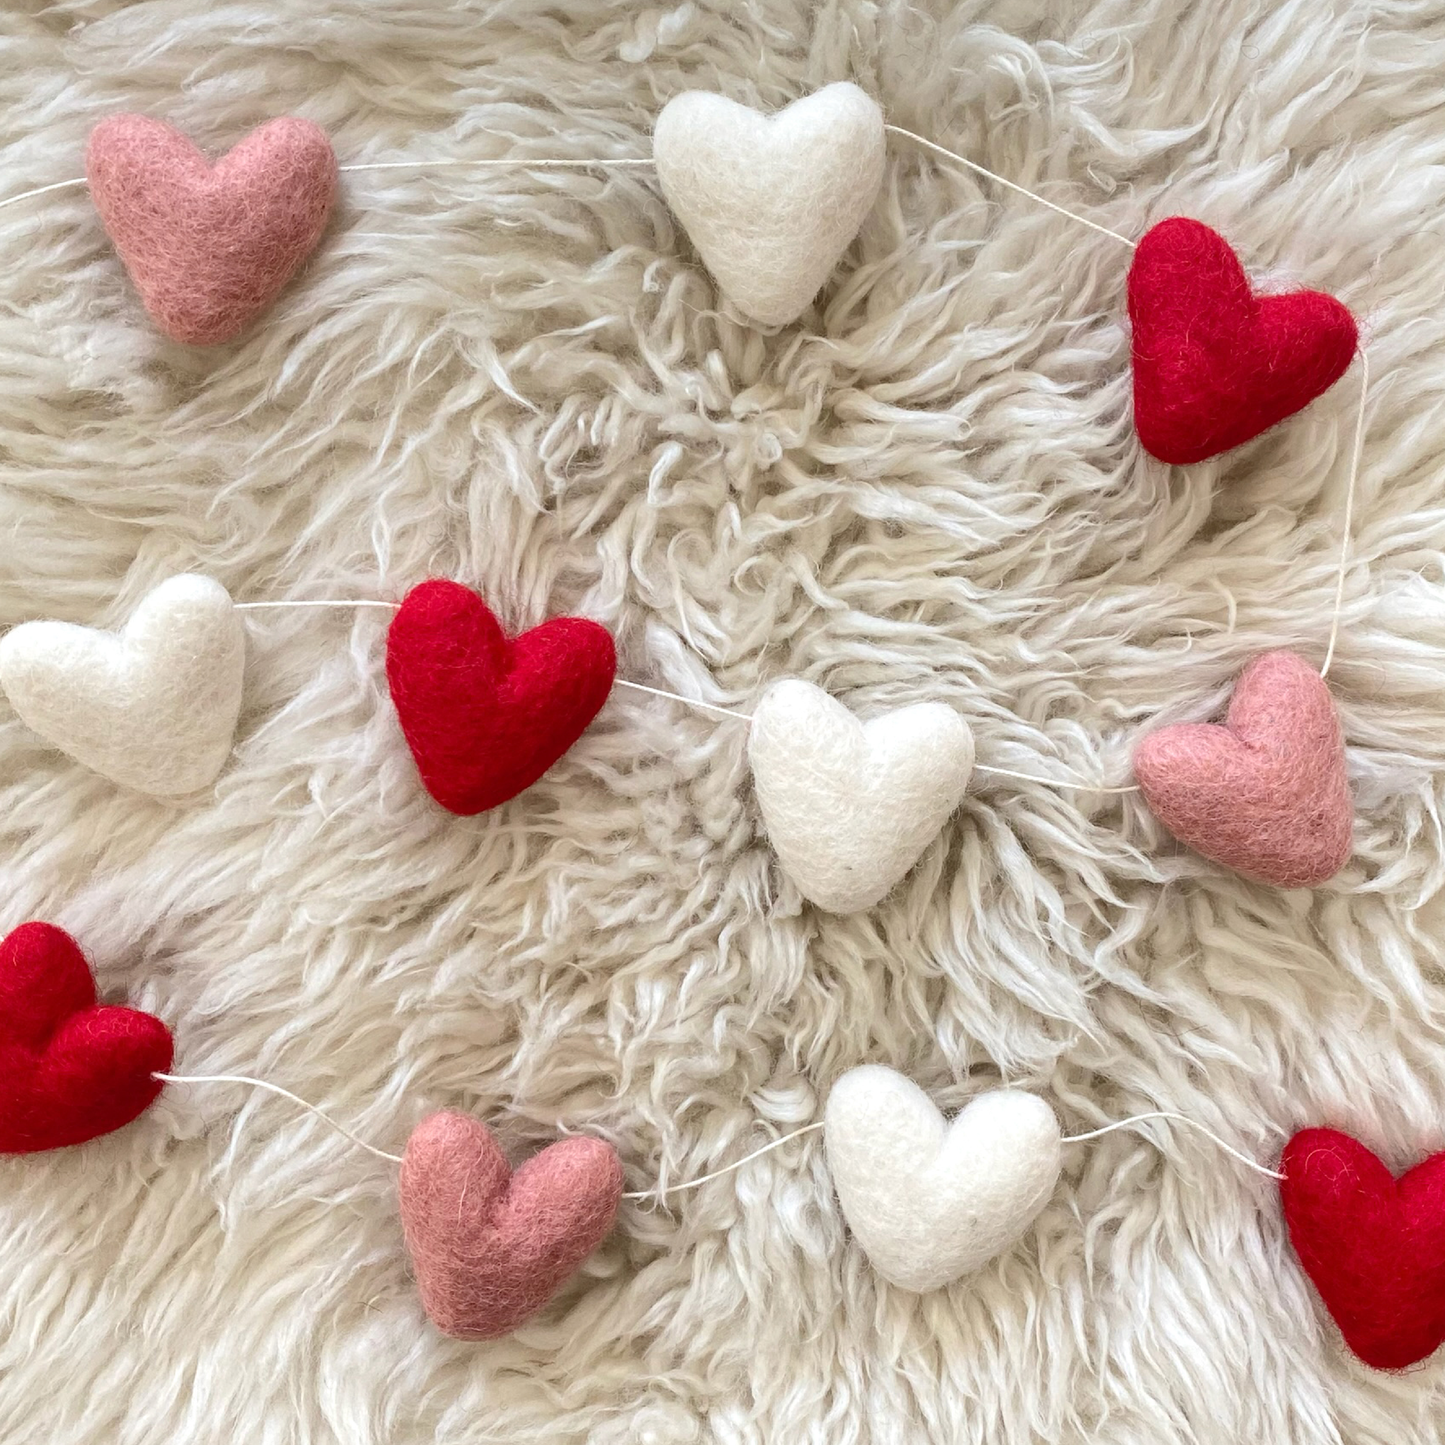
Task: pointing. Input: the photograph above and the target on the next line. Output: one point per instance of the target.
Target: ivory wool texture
(930, 1201)
(152, 707)
(1373, 1245)
(70, 1069)
(1214, 363)
(848, 805)
(1265, 794)
(929, 489)
(771, 201)
(210, 247)
(486, 715)
(491, 1247)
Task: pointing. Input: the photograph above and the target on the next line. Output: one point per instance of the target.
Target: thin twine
(1065, 783)
(1012, 185)
(1350, 490)
(285, 1094)
(716, 1173)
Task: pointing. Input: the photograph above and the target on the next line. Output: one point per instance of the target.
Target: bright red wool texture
(210, 247)
(490, 1247)
(1266, 794)
(486, 716)
(1373, 1245)
(70, 1069)
(1214, 364)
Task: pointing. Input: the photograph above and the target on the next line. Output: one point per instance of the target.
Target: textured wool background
(929, 488)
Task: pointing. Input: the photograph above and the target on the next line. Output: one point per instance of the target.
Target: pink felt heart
(490, 1247)
(210, 247)
(1266, 793)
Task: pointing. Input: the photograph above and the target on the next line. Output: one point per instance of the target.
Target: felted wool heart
(485, 716)
(210, 247)
(70, 1069)
(152, 707)
(490, 1247)
(849, 806)
(1266, 794)
(930, 1201)
(1373, 1245)
(1215, 364)
(771, 201)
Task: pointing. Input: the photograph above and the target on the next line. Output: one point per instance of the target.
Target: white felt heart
(849, 806)
(930, 1201)
(771, 201)
(153, 706)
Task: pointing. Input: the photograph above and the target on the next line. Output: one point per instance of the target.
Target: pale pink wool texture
(1266, 794)
(210, 247)
(490, 1247)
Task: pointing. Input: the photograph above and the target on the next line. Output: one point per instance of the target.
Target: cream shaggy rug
(928, 488)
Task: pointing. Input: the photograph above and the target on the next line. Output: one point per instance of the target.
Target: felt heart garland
(1266, 793)
(152, 707)
(70, 1069)
(209, 248)
(485, 716)
(491, 1247)
(771, 201)
(1214, 363)
(849, 806)
(929, 1201)
(1373, 1245)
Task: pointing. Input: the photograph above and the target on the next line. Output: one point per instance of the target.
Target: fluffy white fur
(771, 201)
(930, 1201)
(847, 805)
(152, 707)
(928, 489)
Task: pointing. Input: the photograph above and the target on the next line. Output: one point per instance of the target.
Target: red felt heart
(486, 717)
(1266, 794)
(1214, 364)
(210, 247)
(69, 1069)
(1373, 1245)
(491, 1247)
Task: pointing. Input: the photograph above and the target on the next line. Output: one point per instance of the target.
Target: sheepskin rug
(928, 488)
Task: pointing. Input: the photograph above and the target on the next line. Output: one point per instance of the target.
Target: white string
(344, 602)
(517, 163)
(1178, 1118)
(1012, 185)
(726, 1169)
(41, 191)
(1053, 782)
(1350, 490)
(678, 697)
(716, 1173)
(285, 1094)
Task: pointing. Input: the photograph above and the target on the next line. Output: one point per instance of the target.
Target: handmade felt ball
(1266, 793)
(484, 715)
(771, 201)
(152, 707)
(1373, 1245)
(1214, 363)
(210, 247)
(849, 806)
(929, 1201)
(490, 1247)
(70, 1069)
